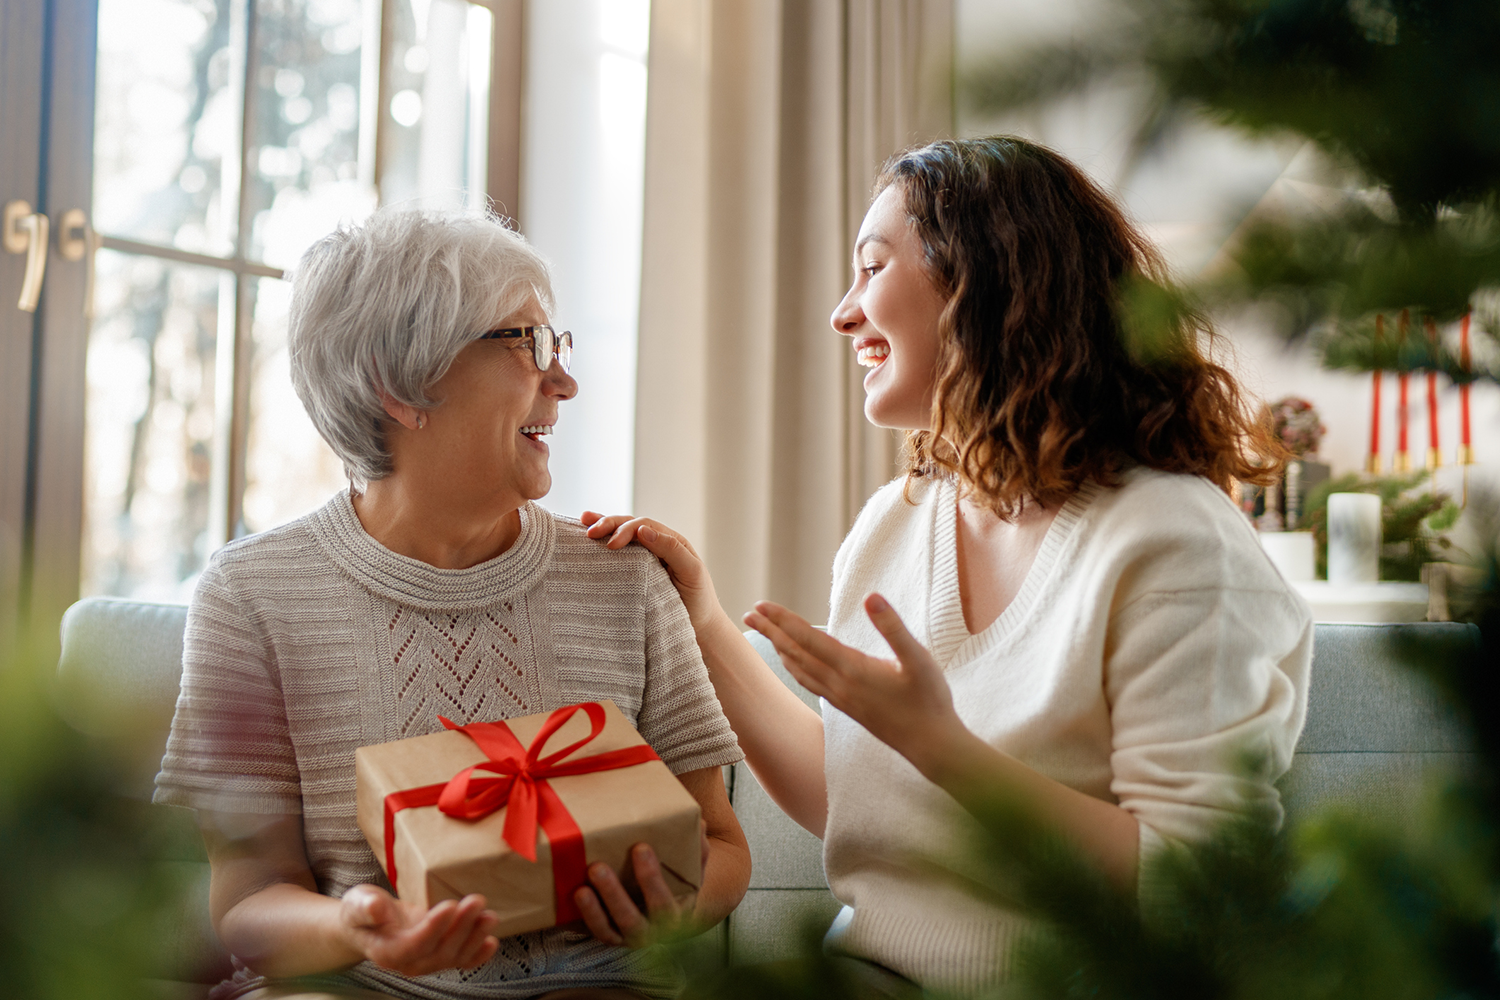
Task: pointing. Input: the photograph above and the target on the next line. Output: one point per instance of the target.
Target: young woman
(1058, 601)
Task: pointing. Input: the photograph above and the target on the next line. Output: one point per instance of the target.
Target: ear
(407, 416)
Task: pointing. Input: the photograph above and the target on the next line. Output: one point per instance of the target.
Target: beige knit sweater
(1150, 645)
(310, 640)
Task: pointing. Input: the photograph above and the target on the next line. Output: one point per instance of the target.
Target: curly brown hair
(1038, 389)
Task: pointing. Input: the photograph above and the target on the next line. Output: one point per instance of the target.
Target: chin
(540, 488)
(881, 416)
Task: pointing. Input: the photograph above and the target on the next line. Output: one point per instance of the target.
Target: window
(230, 135)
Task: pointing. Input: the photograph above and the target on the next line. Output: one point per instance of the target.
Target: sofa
(1373, 731)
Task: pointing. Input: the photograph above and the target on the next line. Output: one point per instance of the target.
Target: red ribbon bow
(525, 789)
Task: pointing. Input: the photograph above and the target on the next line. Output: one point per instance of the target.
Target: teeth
(873, 355)
(537, 429)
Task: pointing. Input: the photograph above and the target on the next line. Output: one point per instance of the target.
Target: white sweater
(1151, 645)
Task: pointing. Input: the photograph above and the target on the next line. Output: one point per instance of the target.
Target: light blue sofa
(1373, 729)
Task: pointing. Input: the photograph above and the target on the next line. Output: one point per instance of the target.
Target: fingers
(623, 912)
(804, 649)
(618, 529)
(452, 934)
(817, 643)
(627, 925)
(613, 916)
(481, 943)
(793, 656)
(659, 899)
(908, 650)
(594, 917)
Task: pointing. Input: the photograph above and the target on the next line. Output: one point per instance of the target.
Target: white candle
(1293, 553)
(1353, 538)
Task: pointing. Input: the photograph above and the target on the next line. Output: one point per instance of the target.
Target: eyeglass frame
(561, 344)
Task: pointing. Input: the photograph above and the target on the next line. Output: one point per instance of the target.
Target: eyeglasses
(545, 344)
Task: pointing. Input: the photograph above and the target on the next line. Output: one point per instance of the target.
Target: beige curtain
(766, 124)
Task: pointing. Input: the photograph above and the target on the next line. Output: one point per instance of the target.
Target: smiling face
(891, 314)
(494, 408)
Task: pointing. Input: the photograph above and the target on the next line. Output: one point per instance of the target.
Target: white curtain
(766, 124)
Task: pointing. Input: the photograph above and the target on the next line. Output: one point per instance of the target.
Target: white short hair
(390, 303)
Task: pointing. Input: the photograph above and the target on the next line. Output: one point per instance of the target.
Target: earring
(421, 421)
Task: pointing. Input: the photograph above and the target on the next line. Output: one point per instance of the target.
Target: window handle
(26, 232)
(76, 240)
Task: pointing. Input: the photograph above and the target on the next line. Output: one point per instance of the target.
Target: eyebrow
(869, 238)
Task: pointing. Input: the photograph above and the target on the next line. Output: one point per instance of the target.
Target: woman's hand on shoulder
(905, 703)
(402, 937)
(683, 564)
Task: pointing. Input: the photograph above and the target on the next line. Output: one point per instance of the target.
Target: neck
(409, 517)
(978, 513)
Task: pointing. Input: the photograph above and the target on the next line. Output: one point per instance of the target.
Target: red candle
(1403, 400)
(1465, 446)
(1372, 466)
(1434, 457)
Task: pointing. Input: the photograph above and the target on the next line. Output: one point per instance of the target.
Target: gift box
(517, 810)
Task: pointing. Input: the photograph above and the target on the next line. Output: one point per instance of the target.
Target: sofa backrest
(1374, 728)
(118, 676)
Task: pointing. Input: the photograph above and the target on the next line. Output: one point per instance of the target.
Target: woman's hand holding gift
(612, 915)
(268, 912)
(402, 937)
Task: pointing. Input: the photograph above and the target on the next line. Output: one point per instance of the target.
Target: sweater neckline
(415, 584)
(951, 641)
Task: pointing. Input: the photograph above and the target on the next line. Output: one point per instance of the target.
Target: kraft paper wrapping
(439, 857)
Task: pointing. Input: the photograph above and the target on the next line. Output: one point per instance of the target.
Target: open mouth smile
(873, 355)
(536, 431)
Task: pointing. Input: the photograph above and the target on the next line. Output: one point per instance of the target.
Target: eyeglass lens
(547, 342)
(542, 344)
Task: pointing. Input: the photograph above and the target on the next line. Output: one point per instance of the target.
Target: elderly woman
(435, 586)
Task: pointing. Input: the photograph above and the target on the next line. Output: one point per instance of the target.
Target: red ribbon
(525, 789)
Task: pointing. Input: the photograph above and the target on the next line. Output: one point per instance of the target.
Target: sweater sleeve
(229, 750)
(680, 716)
(1207, 691)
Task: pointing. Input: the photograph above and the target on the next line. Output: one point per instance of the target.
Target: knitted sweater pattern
(1151, 647)
(311, 640)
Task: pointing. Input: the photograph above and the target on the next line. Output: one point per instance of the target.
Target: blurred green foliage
(1402, 97)
(1412, 521)
(84, 899)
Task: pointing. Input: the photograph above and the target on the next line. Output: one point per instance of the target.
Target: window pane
(150, 425)
(289, 469)
(164, 120)
(436, 145)
(304, 160)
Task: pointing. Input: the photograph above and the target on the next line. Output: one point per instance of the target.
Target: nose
(558, 384)
(847, 316)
